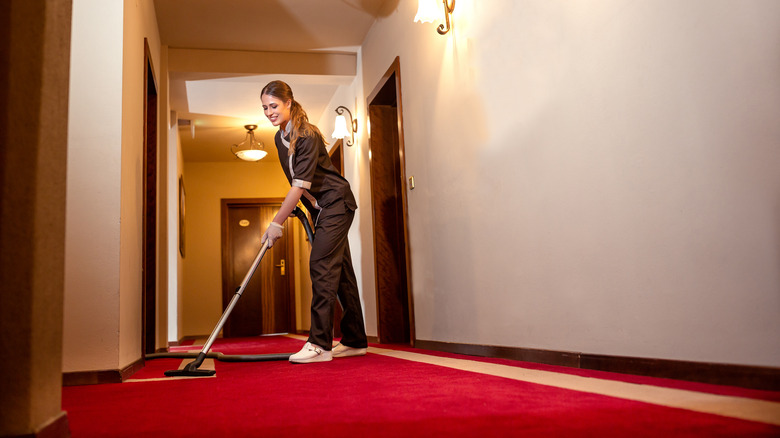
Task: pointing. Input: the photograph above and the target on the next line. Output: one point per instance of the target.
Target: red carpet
(372, 396)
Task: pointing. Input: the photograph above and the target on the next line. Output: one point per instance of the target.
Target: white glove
(272, 234)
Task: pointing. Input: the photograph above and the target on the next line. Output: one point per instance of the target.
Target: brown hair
(300, 121)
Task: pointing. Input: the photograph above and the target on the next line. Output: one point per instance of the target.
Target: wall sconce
(340, 131)
(249, 149)
(428, 12)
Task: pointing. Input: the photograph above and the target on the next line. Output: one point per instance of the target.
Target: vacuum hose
(305, 221)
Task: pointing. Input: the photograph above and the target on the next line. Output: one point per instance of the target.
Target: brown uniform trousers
(333, 277)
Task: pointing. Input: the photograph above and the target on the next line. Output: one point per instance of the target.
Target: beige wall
(598, 177)
(139, 23)
(102, 328)
(206, 184)
(91, 306)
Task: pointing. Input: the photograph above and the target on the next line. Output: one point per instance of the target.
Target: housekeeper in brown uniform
(327, 195)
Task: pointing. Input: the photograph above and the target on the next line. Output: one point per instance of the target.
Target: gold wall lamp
(340, 130)
(428, 12)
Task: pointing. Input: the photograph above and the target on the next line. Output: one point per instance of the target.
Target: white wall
(593, 176)
(102, 308)
(175, 260)
(91, 306)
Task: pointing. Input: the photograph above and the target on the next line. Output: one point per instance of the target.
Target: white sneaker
(311, 353)
(341, 350)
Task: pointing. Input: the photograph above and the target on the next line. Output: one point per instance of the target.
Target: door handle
(281, 265)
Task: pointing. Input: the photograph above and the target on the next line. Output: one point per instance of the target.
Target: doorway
(395, 311)
(149, 256)
(268, 303)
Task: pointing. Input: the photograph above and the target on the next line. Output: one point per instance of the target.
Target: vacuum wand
(191, 369)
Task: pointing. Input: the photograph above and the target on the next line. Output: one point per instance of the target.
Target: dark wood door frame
(150, 184)
(226, 262)
(387, 93)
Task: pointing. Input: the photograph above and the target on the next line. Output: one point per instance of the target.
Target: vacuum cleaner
(192, 368)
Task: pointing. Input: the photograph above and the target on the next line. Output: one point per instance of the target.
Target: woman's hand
(274, 231)
(272, 234)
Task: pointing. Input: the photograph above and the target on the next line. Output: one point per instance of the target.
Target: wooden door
(267, 304)
(395, 312)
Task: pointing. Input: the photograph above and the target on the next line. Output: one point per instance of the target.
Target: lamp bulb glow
(428, 11)
(251, 154)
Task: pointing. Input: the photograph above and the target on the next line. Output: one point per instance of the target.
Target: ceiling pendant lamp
(249, 149)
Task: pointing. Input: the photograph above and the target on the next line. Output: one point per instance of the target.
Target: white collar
(286, 132)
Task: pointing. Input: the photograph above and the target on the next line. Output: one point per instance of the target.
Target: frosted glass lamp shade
(340, 131)
(249, 149)
(251, 154)
(428, 11)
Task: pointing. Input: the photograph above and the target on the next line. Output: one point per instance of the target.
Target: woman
(327, 195)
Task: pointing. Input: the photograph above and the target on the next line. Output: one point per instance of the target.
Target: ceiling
(217, 105)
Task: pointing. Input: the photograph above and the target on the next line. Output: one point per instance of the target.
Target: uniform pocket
(335, 209)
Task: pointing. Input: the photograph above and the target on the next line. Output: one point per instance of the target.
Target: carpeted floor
(396, 391)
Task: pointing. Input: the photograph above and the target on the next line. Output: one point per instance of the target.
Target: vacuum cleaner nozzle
(191, 369)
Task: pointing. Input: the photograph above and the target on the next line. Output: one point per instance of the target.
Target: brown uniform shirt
(311, 169)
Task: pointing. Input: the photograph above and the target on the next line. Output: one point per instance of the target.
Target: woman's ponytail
(301, 126)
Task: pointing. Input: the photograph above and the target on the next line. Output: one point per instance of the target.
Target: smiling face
(277, 111)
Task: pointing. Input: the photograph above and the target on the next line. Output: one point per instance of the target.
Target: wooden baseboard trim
(96, 377)
(744, 376)
(99, 377)
(192, 338)
(132, 369)
(56, 428)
